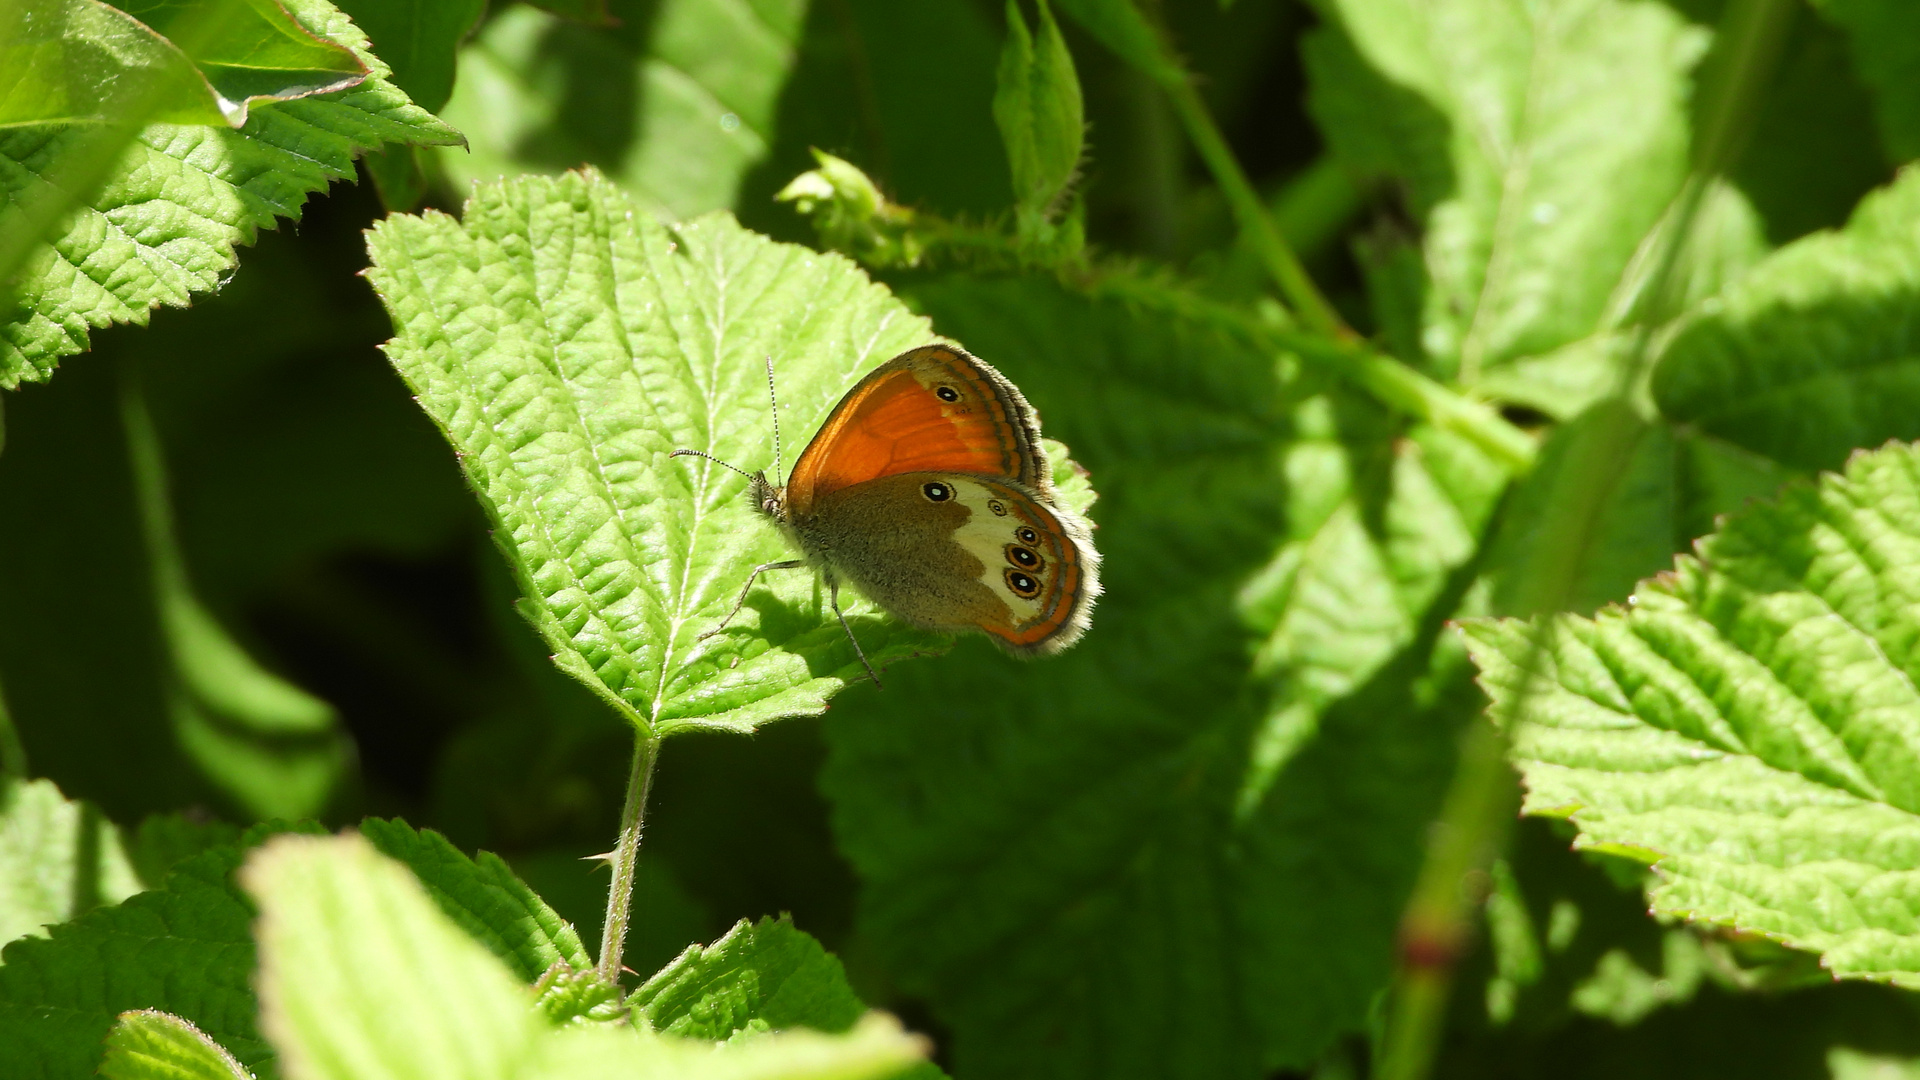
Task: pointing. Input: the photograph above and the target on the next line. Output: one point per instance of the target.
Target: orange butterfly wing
(931, 409)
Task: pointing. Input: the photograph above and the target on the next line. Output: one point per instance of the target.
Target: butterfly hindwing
(954, 552)
(934, 408)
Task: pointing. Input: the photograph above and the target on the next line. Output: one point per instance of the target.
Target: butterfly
(927, 491)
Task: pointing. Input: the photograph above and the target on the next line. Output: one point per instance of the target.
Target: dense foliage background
(246, 578)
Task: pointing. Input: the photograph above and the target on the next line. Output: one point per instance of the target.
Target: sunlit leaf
(362, 977)
(58, 859)
(1749, 724)
(180, 200)
(567, 343)
(150, 1045)
(1543, 141)
(1814, 352)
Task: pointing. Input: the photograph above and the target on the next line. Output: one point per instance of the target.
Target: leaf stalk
(1478, 813)
(626, 857)
(1256, 224)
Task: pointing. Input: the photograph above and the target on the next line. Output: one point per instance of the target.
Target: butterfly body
(927, 490)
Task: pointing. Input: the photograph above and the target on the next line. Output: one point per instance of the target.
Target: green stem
(1434, 932)
(626, 857)
(1256, 225)
(1479, 808)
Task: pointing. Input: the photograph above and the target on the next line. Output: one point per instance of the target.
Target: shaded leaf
(1115, 862)
(419, 40)
(1886, 52)
(484, 898)
(181, 199)
(678, 106)
(1038, 109)
(1749, 725)
(1815, 351)
(184, 948)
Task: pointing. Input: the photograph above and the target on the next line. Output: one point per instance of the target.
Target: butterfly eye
(936, 492)
(1024, 557)
(1026, 535)
(947, 393)
(1022, 585)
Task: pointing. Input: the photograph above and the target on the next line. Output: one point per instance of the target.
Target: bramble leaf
(58, 859)
(251, 53)
(1749, 724)
(765, 975)
(1120, 861)
(83, 61)
(567, 342)
(361, 976)
(150, 1045)
(419, 40)
(678, 115)
(1886, 52)
(186, 948)
(1815, 351)
(181, 199)
(1544, 141)
(482, 896)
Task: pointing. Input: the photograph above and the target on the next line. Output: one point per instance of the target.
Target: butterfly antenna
(775, 398)
(710, 457)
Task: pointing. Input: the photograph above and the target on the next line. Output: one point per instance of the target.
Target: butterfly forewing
(929, 409)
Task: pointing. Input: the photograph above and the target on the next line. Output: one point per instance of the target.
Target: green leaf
(1037, 106)
(152, 1045)
(251, 53)
(759, 976)
(483, 897)
(1813, 353)
(1886, 53)
(567, 343)
(1749, 724)
(1115, 863)
(163, 841)
(593, 12)
(1635, 529)
(362, 976)
(1565, 136)
(1375, 524)
(273, 748)
(84, 62)
(679, 114)
(58, 859)
(184, 948)
(180, 200)
(419, 40)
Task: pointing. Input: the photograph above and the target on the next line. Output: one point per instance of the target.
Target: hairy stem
(1256, 225)
(1478, 812)
(626, 856)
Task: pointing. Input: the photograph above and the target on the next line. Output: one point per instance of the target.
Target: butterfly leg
(784, 564)
(833, 597)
